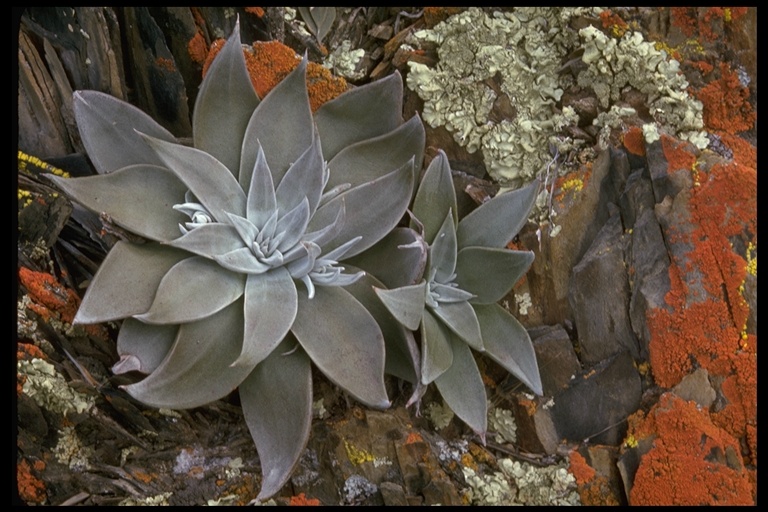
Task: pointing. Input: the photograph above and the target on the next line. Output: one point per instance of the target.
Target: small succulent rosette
(454, 307)
(241, 282)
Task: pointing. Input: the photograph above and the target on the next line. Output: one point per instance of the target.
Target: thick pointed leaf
(209, 240)
(344, 341)
(139, 198)
(207, 178)
(398, 259)
(293, 224)
(508, 343)
(224, 106)
(436, 353)
(435, 198)
(406, 304)
(442, 251)
(270, 309)
(242, 261)
(108, 127)
(303, 180)
(193, 289)
(490, 273)
(383, 202)
(361, 113)
(277, 404)
(261, 202)
(402, 354)
(126, 282)
(461, 319)
(373, 158)
(282, 124)
(142, 347)
(198, 368)
(496, 222)
(462, 389)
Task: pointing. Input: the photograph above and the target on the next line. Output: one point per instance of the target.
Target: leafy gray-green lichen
(242, 282)
(522, 49)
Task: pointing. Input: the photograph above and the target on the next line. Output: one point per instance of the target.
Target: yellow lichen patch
(25, 198)
(752, 259)
(630, 441)
(25, 161)
(356, 455)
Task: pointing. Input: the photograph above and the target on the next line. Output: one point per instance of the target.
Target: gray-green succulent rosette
(454, 307)
(241, 282)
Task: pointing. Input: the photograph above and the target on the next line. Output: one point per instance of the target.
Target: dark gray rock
(393, 495)
(557, 359)
(597, 404)
(696, 386)
(599, 293)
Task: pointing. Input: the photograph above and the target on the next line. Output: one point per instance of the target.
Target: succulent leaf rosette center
(243, 281)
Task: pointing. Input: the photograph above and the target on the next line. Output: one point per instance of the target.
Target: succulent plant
(469, 269)
(240, 282)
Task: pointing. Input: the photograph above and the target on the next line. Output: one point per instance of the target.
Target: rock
(596, 404)
(557, 360)
(393, 495)
(695, 386)
(598, 294)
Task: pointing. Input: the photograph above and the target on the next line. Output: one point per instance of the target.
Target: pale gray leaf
(193, 289)
(139, 198)
(108, 127)
(435, 197)
(224, 106)
(496, 222)
(142, 347)
(461, 386)
(270, 309)
(209, 240)
(406, 303)
(126, 282)
(461, 319)
(373, 158)
(198, 368)
(398, 259)
(207, 178)
(303, 180)
(277, 404)
(282, 124)
(508, 343)
(361, 113)
(490, 273)
(436, 352)
(261, 202)
(442, 251)
(345, 343)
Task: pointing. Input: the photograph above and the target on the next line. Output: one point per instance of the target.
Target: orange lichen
(268, 63)
(197, 48)
(692, 461)
(726, 103)
(434, 15)
(51, 300)
(581, 471)
(166, 64)
(414, 437)
(301, 500)
(257, 11)
(707, 312)
(614, 23)
(31, 488)
(744, 153)
(707, 21)
(634, 140)
(703, 66)
(676, 155)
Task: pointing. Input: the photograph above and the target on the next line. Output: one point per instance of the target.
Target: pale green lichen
(524, 302)
(520, 483)
(345, 61)
(439, 414)
(610, 120)
(650, 133)
(49, 390)
(549, 485)
(503, 423)
(615, 64)
(318, 409)
(519, 51)
(150, 501)
(70, 451)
